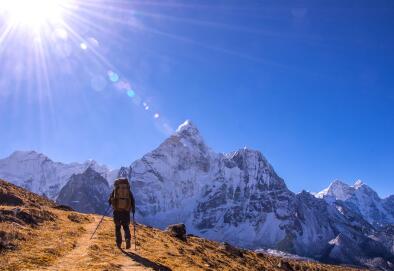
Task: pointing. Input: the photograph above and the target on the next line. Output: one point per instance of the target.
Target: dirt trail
(79, 256)
(130, 265)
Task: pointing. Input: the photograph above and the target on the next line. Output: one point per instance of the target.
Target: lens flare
(46, 41)
(113, 76)
(130, 93)
(35, 13)
(83, 46)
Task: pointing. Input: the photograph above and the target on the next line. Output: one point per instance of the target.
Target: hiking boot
(119, 244)
(128, 245)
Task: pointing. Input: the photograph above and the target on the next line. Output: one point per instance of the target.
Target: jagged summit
(187, 131)
(339, 183)
(337, 190)
(358, 184)
(253, 159)
(246, 150)
(186, 139)
(340, 190)
(89, 171)
(362, 199)
(187, 125)
(24, 155)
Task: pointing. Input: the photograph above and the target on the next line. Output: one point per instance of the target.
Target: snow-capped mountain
(215, 194)
(238, 198)
(336, 191)
(235, 197)
(37, 173)
(363, 200)
(86, 192)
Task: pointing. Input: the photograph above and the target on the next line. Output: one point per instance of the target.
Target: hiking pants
(122, 219)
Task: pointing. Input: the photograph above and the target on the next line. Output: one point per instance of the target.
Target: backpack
(121, 195)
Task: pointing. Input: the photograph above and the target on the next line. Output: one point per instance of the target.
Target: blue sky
(308, 83)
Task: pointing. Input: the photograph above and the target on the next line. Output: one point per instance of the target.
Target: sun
(33, 13)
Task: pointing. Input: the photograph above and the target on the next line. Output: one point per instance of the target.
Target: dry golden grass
(159, 250)
(43, 245)
(28, 199)
(42, 237)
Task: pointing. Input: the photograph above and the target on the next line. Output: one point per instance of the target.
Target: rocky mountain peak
(361, 199)
(342, 191)
(338, 184)
(361, 187)
(27, 155)
(86, 192)
(337, 190)
(187, 126)
(248, 151)
(187, 131)
(358, 184)
(90, 172)
(185, 142)
(249, 158)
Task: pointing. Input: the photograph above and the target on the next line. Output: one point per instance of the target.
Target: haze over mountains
(235, 197)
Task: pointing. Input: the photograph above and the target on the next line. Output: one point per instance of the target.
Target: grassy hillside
(38, 235)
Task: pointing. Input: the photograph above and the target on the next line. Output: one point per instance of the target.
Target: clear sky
(308, 83)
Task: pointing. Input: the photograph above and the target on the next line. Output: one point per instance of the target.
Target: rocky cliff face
(86, 192)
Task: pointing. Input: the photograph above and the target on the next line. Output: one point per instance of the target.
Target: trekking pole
(135, 238)
(101, 220)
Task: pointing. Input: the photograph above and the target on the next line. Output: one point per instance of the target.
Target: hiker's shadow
(145, 262)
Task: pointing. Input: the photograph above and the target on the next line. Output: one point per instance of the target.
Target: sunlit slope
(38, 235)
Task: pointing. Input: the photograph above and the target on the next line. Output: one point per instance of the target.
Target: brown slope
(37, 236)
(13, 195)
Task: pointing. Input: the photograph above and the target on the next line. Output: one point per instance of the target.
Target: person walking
(122, 202)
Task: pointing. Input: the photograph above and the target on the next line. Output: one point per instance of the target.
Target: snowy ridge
(361, 199)
(39, 174)
(337, 190)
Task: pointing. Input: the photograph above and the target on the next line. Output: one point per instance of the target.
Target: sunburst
(34, 14)
(44, 42)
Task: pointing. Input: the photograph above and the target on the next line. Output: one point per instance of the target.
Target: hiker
(122, 202)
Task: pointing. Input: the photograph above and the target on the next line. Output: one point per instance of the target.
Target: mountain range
(234, 197)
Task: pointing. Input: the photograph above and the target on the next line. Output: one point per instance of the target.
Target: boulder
(177, 231)
(285, 266)
(234, 251)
